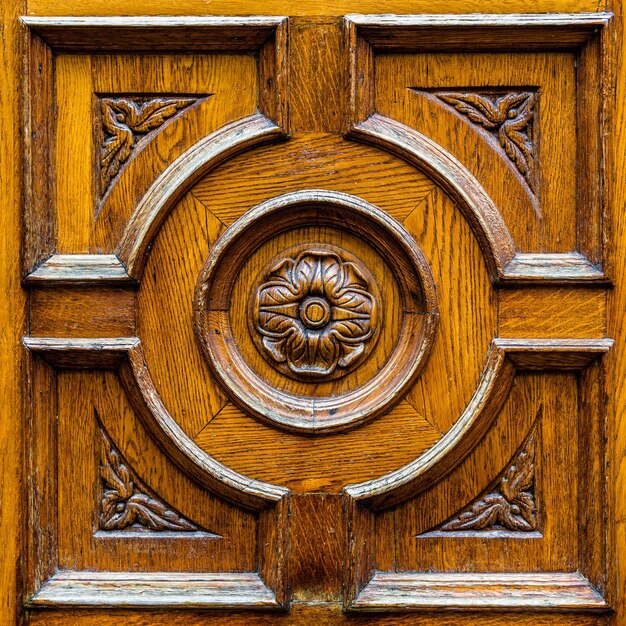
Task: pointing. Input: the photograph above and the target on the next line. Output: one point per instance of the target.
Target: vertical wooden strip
(360, 557)
(615, 361)
(39, 218)
(273, 550)
(74, 153)
(317, 77)
(273, 77)
(317, 546)
(12, 312)
(41, 470)
(592, 476)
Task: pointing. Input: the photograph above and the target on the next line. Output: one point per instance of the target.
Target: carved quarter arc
(455, 445)
(302, 413)
(197, 463)
(179, 176)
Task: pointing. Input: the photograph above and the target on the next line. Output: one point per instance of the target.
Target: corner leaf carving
(509, 118)
(511, 505)
(124, 121)
(316, 313)
(126, 502)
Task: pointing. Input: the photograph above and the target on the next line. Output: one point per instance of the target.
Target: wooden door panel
(317, 315)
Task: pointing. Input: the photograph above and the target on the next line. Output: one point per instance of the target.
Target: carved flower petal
(276, 347)
(276, 325)
(271, 295)
(351, 331)
(315, 353)
(352, 300)
(350, 354)
(353, 278)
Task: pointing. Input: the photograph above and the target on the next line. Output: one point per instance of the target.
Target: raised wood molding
(180, 175)
(155, 590)
(295, 411)
(366, 589)
(80, 269)
(48, 36)
(554, 591)
(506, 356)
(584, 34)
(154, 33)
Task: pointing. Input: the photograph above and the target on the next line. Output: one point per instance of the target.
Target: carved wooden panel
(342, 349)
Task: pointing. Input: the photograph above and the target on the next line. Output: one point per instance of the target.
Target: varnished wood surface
(484, 240)
(13, 319)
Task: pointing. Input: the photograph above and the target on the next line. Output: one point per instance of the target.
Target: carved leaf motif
(315, 312)
(125, 503)
(122, 120)
(509, 117)
(511, 505)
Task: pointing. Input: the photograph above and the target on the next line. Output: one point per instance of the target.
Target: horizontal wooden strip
(82, 312)
(553, 354)
(154, 589)
(552, 312)
(478, 31)
(554, 268)
(101, 352)
(188, 33)
(499, 591)
(80, 269)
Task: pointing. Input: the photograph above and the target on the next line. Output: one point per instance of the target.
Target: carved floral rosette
(315, 314)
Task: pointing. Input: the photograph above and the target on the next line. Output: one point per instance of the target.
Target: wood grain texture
(324, 615)
(12, 317)
(102, 269)
(75, 312)
(615, 428)
(189, 33)
(496, 591)
(551, 313)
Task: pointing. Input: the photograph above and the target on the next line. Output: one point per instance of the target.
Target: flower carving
(316, 314)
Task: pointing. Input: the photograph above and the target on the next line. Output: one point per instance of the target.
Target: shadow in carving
(127, 503)
(127, 124)
(508, 504)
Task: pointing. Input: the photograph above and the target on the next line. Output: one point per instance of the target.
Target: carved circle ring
(315, 312)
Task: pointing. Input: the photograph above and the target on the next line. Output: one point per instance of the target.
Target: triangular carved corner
(127, 120)
(127, 503)
(509, 118)
(509, 504)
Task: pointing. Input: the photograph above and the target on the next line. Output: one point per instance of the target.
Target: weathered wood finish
(465, 465)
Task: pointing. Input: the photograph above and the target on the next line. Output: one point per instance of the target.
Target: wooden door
(316, 319)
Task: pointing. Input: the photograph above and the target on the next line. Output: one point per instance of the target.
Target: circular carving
(314, 374)
(315, 313)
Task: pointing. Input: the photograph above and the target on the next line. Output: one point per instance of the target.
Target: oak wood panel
(80, 397)
(616, 364)
(317, 77)
(548, 226)
(12, 316)
(551, 312)
(324, 615)
(76, 312)
(292, 7)
(227, 88)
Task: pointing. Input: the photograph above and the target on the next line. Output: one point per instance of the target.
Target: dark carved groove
(124, 120)
(509, 118)
(127, 503)
(510, 505)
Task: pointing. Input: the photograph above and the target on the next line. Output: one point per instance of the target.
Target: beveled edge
(187, 590)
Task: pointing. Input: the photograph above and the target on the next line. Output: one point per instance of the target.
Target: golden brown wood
(396, 227)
